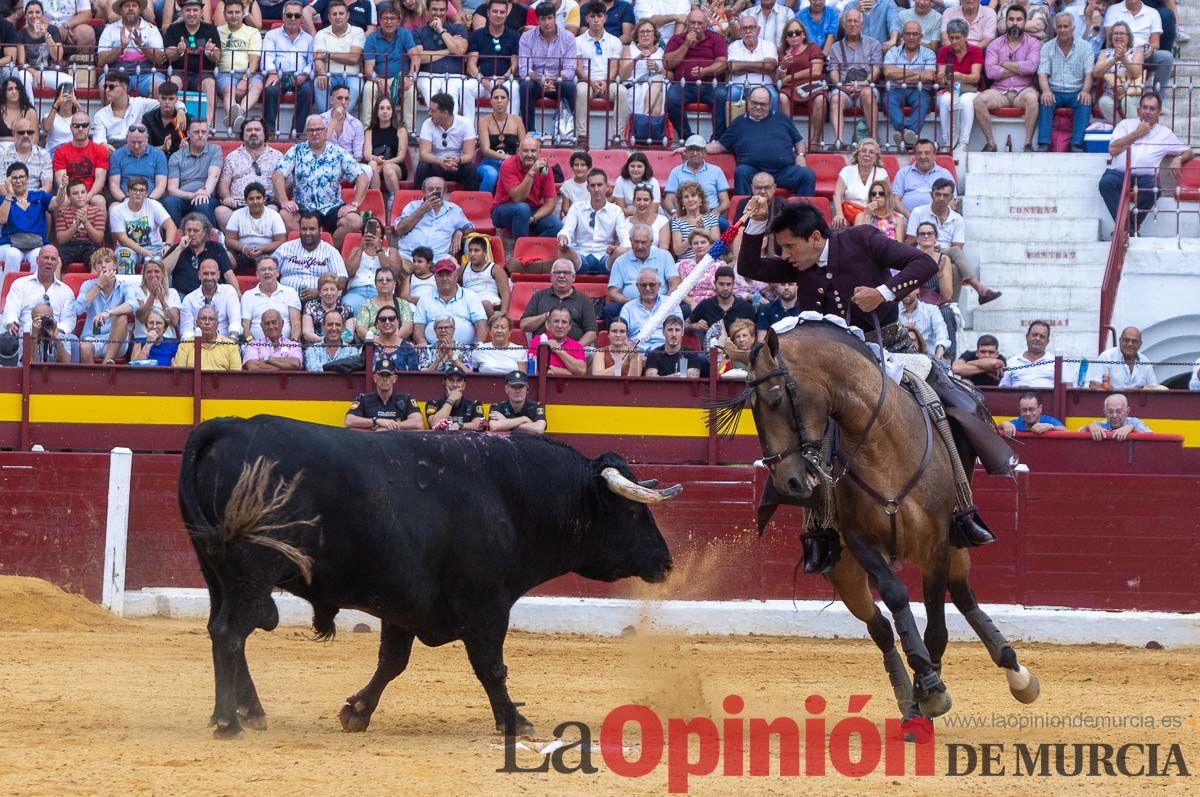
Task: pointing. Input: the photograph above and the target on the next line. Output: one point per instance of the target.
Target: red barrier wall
(1084, 541)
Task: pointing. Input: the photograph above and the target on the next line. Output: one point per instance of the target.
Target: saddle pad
(918, 365)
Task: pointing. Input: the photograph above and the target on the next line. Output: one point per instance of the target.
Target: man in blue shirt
(762, 141)
(820, 21)
(1117, 421)
(108, 303)
(636, 313)
(643, 255)
(881, 20)
(783, 307)
(621, 19)
(913, 185)
(385, 67)
(1031, 418)
(137, 159)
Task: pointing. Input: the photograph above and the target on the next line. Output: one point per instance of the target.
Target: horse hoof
(935, 704)
(257, 722)
(524, 729)
(1023, 684)
(227, 730)
(354, 717)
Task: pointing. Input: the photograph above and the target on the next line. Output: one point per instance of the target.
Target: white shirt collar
(823, 259)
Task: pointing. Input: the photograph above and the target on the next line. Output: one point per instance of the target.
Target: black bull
(437, 535)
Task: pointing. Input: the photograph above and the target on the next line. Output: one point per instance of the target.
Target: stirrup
(822, 549)
(967, 529)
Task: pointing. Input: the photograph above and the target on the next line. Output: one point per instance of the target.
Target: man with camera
(50, 344)
(42, 286)
(434, 221)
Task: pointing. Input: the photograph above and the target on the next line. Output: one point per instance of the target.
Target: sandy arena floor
(95, 705)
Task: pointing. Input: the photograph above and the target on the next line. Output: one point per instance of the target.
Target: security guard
(519, 413)
(384, 409)
(454, 411)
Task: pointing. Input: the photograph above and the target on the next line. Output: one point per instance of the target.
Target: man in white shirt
(752, 62)
(212, 292)
(599, 56)
(665, 14)
(268, 294)
(951, 237)
(42, 286)
(110, 125)
(133, 44)
(1019, 372)
(772, 16)
(302, 261)
(446, 145)
(287, 63)
(337, 56)
(72, 18)
(1124, 365)
(1146, 25)
(1149, 144)
(594, 234)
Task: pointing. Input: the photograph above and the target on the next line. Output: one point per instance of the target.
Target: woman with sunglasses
(57, 124)
(17, 108)
(500, 134)
(939, 290)
(23, 216)
(40, 51)
(391, 342)
(386, 295)
(385, 145)
(881, 212)
(801, 65)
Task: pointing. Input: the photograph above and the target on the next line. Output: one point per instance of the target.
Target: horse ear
(773, 344)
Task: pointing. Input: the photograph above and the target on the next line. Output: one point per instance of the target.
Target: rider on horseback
(850, 275)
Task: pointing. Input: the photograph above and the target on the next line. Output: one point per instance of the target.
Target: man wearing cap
(384, 410)
(454, 412)
(519, 413)
(695, 169)
(133, 44)
(450, 299)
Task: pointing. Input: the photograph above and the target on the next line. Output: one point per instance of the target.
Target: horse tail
(250, 507)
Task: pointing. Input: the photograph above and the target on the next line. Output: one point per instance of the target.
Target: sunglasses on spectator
(792, 33)
(387, 319)
(23, 132)
(495, 44)
(81, 125)
(137, 129)
(599, 49)
(877, 193)
(926, 232)
(292, 16)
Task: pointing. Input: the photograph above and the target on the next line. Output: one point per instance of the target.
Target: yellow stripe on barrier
(10, 407)
(329, 413)
(116, 410)
(654, 421)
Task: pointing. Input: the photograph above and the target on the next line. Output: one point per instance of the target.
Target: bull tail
(247, 513)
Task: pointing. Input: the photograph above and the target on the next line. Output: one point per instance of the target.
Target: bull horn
(648, 483)
(636, 492)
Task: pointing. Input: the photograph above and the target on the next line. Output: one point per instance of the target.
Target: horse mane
(724, 414)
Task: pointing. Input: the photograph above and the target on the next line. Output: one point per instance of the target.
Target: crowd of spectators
(139, 187)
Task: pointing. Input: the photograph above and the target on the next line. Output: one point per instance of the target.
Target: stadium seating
(402, 198)
(1189, 182)
(351, 240)
(819, 202)
(373, 201)
(530, 249)
(247, 282)
(477, 205)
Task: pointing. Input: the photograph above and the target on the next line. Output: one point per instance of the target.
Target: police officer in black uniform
(519, 413)
(384, 409)
(454, 411)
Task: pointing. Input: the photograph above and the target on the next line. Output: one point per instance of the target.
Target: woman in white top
(154, 294)
(645, 211)
(486, 279)
(365, 260)
(636, 172)
(642, 64)
(850, 194)
(57, 124)
(499, 355)
(254, 230)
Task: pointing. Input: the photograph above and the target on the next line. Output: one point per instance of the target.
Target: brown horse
(893, 497)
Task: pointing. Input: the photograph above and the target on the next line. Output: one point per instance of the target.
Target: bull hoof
(227, 730)
(1023, 684)
(354, 717)
(935, 704)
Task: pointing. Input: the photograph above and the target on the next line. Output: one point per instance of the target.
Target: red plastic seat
(402, 198)
(561, 158)
(827, 167)
(892, 164)
(247, 282)
(373, 201)
(612, 161)
(1189, 182)
(351, 240)
(9, 279)
(530, 249)
(227, 147)
(947, 163)
(520, 295)
(76, 268)
(477, 205)
(75, 281)
(662, 161)
(724, 162)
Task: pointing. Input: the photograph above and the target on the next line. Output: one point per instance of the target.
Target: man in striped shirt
(1065, 78)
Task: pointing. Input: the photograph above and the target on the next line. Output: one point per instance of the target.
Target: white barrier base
(820, 619)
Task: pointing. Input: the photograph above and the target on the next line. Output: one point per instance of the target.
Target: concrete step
(1034, 189)
(1017, 317)
(981, 164)
(995, 209)
(1051, 255)
(1042, 277)
(1058, 302)
(1057, 230)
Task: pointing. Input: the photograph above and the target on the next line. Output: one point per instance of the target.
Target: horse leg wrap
(963, 500)
(986, 630)
(902, 686)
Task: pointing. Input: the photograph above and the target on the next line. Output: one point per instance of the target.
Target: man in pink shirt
(272, 352)
(566, 355)
(526, 194)
(1011, 63)
(1149, 144)
(980, 19)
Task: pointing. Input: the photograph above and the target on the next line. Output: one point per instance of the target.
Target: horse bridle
(819, 461)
